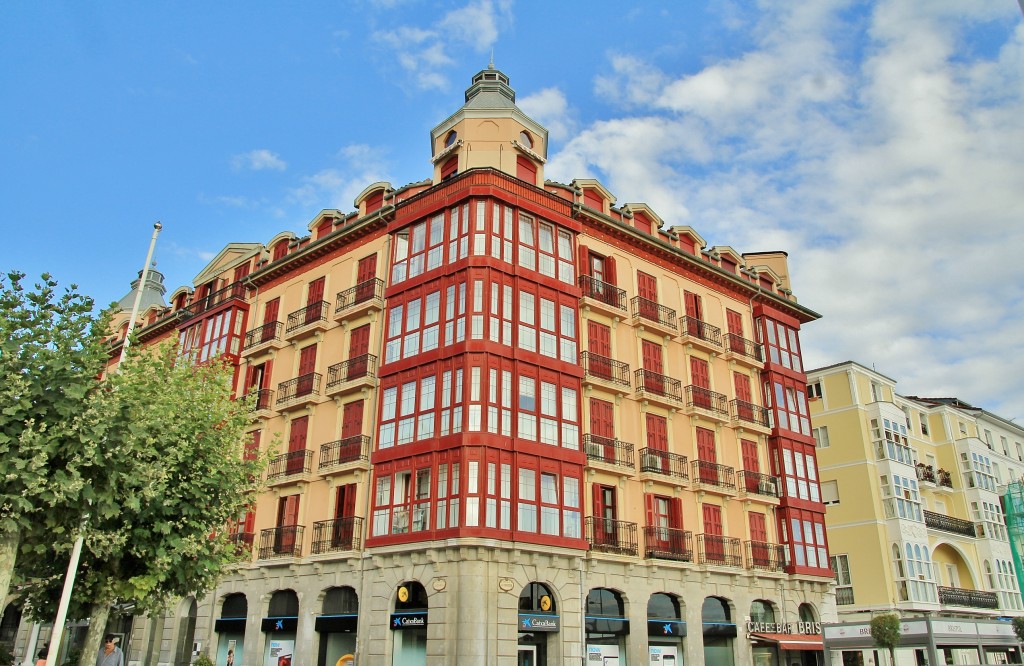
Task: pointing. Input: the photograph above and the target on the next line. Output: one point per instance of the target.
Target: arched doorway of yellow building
(953, 570)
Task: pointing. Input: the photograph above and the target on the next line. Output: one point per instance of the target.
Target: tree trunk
(9, 542)
(94, 637)
(892, 656)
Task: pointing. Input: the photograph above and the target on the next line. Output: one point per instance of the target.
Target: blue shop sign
(538, 622)
(667, 628)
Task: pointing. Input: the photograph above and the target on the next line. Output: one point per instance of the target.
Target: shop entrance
(527, 655)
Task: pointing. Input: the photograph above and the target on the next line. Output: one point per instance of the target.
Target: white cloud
(872, 146)
(550, 108)
(337, 186)
(425, 52)
(259, 160)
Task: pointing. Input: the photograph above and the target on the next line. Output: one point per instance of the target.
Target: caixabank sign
(537, 622)
(408, 621)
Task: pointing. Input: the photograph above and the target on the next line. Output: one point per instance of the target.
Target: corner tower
(490, 131)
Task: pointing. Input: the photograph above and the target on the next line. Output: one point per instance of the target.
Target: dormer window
(525, 139)
(450, 139)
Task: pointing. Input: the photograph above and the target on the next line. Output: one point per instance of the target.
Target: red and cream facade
(513, 420)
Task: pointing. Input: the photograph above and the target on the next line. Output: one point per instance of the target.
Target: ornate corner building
(518, 423)
(919, 493)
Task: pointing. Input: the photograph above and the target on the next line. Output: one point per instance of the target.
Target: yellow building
(915, 525)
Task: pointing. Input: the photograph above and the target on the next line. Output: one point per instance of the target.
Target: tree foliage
(51, 351)
(885, 630)
(174, 474)
(1018, 628)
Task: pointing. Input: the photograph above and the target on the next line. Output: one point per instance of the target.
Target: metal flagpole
(76, 551)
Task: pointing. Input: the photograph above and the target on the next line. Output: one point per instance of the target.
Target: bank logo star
(668, 629)
(398, 622)
(279, 625)
(526, 624)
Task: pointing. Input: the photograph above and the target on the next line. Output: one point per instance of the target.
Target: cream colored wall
(487, 142)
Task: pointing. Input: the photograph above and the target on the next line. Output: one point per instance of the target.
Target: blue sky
(880, 143)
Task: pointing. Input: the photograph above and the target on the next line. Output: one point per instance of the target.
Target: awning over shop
(792, 641)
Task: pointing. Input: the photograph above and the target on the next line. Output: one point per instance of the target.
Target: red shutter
(693, 308)
(652, 517)
(676, 518)
(647, 286)
(241, 272)
(526, 170)
(750, 461)
(706, 445)
(699, 371)
(742, 384)
(450, 168)
(657, 432)
(758, 527)
(352, 420)
(652, 356)
(599, 339)
(315, 293)
(367, 269)
(297, 435)
(307, 360)
(734, 320)
(609, 269)
(601, 418)
(270, 311)
(712, 519)
(358, 349)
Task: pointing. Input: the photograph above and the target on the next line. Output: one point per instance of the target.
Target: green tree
(1018, 627)
(51, 351)
(174, 474)
(885, 630)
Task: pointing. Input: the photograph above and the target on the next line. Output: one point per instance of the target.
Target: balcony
(234, 291)
(944, 523)
(243, 543)
(365, 297)
(607, 535)
(287, 466)
(261, 401)
(926, 473)
(608, 451)
(714, 477)
(719, 550)
(705, 402)
(741, 350)
(700, 334)
(299, 391)
(342, 452)
(666, 543)
(755, 483)
(658, 317)
(656, 461)
(602, 297)
(945, 479)
(267, 336)
(764, 556)
(747, 414)
(659, 388)
(958, 596)
(352, 375)
(339, 534)
(844, 596)
(604, 370)
(307, 321)
(283, 541)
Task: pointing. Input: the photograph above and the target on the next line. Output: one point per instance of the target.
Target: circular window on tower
(526, 139)
(450, 139)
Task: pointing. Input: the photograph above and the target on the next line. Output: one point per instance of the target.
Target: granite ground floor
(486, 603)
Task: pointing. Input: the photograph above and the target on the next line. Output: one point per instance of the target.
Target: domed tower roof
(152, 293)
(489, 130)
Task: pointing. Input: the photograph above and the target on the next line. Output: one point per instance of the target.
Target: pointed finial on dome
(490, 65)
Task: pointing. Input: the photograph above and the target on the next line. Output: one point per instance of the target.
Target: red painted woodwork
(307, 366)
(270, 312)
(526, 170)
(599, 342)
(280, 250)
(745, 408)
(450, 168)
(759, 552)
(374, 201)
(602, 424)
(734, 322)
(352, 419)
(344, 507)
(241, 271)
(714, 549)
(287, 516)
(366, 271)
(358, 348)
(594, 200)
(700, 376)
(297, 442)
(706, 445)
(694, 313)
(642, 222)
(750, 461)
(651, 356)
(647, 290)
(657, 432)
(605, 513)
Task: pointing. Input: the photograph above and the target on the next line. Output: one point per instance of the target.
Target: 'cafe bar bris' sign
(787, 628)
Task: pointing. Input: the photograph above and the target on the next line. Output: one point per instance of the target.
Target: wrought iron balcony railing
(369, 290)
(748, 412)
(717, 549)
(940, 521)
(349, 449)
(266, 333)
(283, 541)
(602, 367)
(352, 369)
(765, 556)
(701, 330)
(603, 292)
(713, 474)
(653, 383)
(235, 290)
(243, 542)
(652, 311)
(608, 450)
(743, 347)
(706, 399)
(755, 483)
(300, 387)
(289, 464)
(260, 399)
(330, 536)
(663, 462)
(311, 314)
(957, 596)
(667, 543)
(608, 535)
